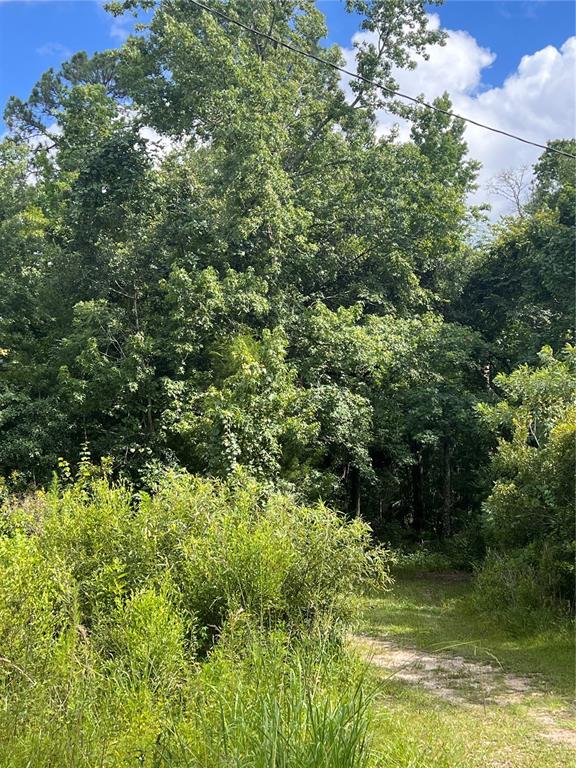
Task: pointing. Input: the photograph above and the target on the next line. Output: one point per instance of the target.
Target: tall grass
(201, 626)
(273, 703)
(288, 708)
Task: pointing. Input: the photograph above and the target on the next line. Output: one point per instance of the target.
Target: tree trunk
(447, 487)
(417, 491)
(355, 490)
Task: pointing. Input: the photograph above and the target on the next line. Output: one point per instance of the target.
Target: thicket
(233, 269)
(198, 626)
(529, 514)
(237, 269)
(214, 263)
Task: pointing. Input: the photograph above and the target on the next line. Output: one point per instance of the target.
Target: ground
(458, 692)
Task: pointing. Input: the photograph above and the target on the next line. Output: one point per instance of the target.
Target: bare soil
(467, 683)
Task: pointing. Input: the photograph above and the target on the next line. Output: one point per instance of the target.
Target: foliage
(214, 263)
(213, 548)
(269, 705)
(529, 515)
(180, 626)
(210, 263)
(422, 560)
(520, 293)
(217, 272)
(521, 588)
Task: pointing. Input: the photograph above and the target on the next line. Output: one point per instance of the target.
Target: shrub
(37, 600)
(422, 560)
(145, 638)
(223, 546)
(522, 589)
(529, 515)
(190, 627)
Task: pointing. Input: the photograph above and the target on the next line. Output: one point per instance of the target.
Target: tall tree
(268, 289)
(520, 296)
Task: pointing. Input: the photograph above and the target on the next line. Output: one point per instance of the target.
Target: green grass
(418, 730)
(415, 728)
(432, 612)
(108, 610)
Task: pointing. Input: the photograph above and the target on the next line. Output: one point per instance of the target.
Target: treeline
(211, 259)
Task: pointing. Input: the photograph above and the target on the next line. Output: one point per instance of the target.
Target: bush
(529, 515)
(522, 589)
(223, 546)
(465, 548)
(191, 627)
(422, 560)
(145, 639)
(457, 553)
(37, 609)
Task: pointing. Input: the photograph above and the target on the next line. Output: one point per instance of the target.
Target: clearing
(459, 693)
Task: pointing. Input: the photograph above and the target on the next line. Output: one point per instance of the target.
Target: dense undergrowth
(197, 626)
(214, 260)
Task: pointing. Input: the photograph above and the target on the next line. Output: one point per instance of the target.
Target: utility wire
(325, 62)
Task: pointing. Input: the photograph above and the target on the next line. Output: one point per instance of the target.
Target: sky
(509, 63)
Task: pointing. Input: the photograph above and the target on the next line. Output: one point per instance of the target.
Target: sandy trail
(467, 683)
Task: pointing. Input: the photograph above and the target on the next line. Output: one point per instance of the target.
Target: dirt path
(467, 683)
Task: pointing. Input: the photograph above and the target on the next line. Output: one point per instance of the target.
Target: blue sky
(510, 28)
(509, 63)
(37, 35)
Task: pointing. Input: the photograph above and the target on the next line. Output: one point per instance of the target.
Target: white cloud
(120, 28)
(54, 50)
(158, 145)
(536, 102)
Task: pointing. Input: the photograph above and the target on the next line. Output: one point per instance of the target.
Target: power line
(325, 62)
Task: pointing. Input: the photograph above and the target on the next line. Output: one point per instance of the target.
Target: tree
(520, 294)
(513, 185)
(269, 290)
(530, 512)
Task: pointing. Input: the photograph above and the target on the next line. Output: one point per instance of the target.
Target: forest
(258, 362)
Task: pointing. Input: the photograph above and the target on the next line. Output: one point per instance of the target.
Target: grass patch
(418, 730)
(433, 612)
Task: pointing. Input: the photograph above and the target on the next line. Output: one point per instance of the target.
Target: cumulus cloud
(158, 145)
(121, 27)
(535, 102)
